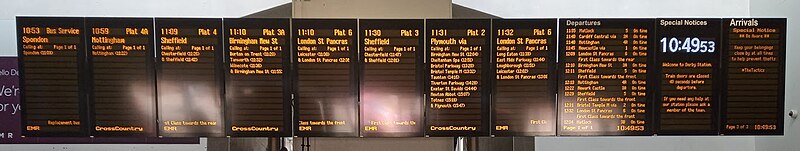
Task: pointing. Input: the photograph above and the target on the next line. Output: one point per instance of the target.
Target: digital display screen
(755, 57)
(120, 54)
(262, 77)
(326, 84)
(604, 85)
(392, 70)
(258, 87)
(51, 59)
(188, 67)
(524, 97)
(688, 61)
(459, 68)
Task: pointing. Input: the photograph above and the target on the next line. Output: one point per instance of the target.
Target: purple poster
(9, 101)
(10, 117)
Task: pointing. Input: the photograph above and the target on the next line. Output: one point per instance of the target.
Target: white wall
(646, 143)
(784, 8)
(105, 147)
(372, 8)
(609, 8)
(120, 8)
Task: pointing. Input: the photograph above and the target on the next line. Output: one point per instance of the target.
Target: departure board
(326, 89)
(188, 68)
(604, 84)
(753, 98)
(391, 77)
(257, 89)
(524, 97)
(459, 75)
(270, 77)
(687, 61)
(120, 54)
(51, 59)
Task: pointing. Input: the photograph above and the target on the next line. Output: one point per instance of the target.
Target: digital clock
(689, 45)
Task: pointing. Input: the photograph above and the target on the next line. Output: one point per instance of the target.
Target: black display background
(191, 84)
(780, 54)
(83, 67)
(526, 98)
(131, 78)
(711, 31)
(242, 91)
(390, 83)
(349, 105)
(484, 67)
(61, 60)
(609, 24)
